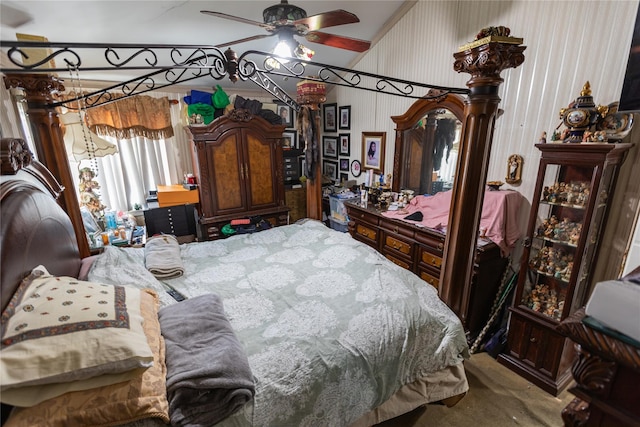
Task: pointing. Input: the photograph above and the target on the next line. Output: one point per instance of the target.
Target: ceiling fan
(285, 21)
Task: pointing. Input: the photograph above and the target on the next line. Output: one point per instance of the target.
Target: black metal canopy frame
(171, 65)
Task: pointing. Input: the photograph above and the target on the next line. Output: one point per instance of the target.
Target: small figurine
(575, 235)
(88, 196)
(543, 138)
(600, 136)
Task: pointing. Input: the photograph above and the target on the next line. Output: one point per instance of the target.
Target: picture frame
(330, 147)
(345, 144)
(344, 177)
(344, 165)
(356, 168)
(286, 113)
(373, 147)
(329, 115)
(330, 169)
(290, 140)
(344, 113)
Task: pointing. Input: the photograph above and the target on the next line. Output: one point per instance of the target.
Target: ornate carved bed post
(45, 125)
(313, 100)
(484, 60)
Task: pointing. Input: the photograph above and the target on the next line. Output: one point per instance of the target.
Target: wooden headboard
(34, 229)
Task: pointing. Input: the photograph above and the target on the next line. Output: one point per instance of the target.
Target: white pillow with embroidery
(61, 329)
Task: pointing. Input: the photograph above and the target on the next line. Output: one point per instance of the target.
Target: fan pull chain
(88, 140)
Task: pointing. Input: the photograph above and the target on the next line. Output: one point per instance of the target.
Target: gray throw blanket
(208, 373)
(162, 257)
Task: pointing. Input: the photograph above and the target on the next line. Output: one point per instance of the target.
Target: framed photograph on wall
(329, 114)
(286, 114)
(289, 140)
(344, 165)
(345, 144)
(373, 145)
(344, 113)
(344, 177)
(330, 147)
(330, 169)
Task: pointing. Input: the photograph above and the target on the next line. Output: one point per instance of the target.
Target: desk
(173, 195)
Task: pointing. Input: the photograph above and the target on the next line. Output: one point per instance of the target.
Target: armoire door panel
(227, 174)
(261, 165)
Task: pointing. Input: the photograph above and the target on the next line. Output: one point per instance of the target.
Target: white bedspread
(331, 328)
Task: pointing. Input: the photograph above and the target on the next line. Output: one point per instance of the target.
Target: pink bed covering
(499, 215)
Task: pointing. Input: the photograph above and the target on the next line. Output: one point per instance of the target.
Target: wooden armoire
(238, 164)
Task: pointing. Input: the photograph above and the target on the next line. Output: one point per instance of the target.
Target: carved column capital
(39, 87)
(487, 61)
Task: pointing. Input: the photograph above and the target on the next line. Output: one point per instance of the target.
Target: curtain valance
(139, 115)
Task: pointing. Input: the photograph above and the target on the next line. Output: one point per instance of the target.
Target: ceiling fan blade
(268, 27)
(247, 39)
(328, 19)
(341, 42)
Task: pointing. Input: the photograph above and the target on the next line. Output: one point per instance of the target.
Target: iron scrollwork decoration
(181, 63)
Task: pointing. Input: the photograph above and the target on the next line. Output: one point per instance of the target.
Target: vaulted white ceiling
(179, 22)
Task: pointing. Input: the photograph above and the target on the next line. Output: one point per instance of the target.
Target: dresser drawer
(429, 277)
(391, 242)
(397, 261)
(428, 258)
(431, 240)
(361, 216)
(364, 231)
(398, 229)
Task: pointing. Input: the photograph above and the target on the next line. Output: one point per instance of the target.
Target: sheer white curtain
(142, 164)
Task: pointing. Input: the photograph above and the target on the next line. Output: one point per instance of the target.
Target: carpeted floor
(496, 397)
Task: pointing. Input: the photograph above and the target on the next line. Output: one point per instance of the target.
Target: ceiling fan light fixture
(283, 49)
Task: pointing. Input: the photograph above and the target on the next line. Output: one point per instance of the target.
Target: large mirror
(427, 140)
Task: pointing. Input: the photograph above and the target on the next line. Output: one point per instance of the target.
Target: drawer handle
(440, 246)
(533, 340)
(395, 230)
(361, 215)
